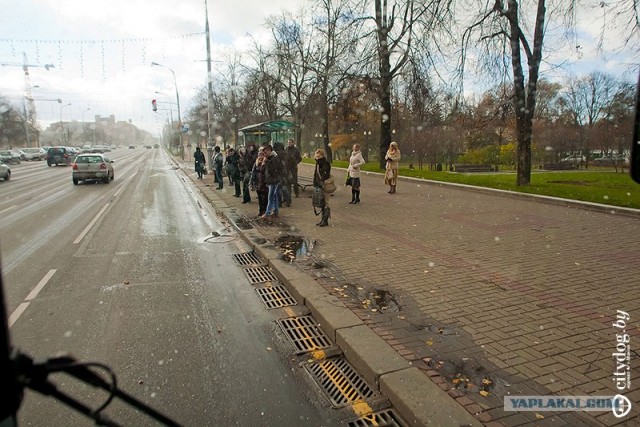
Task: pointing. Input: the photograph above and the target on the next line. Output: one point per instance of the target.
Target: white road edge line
(16, 314)
(40, 285)
(93, 221)
(8, 209)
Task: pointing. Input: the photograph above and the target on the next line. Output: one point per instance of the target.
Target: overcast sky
(102, 51)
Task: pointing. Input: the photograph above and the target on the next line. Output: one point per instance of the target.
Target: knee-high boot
(357, 197)
(322, 216)
(353, 197)
(326, 214)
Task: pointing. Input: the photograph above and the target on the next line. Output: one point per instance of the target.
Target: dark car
(60, 156)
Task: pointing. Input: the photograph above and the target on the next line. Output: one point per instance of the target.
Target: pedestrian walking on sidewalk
(200, 162)
(355, 161)
(257, 182)
(218, 161)
(272, 177)
(322, 172)
(393, 160)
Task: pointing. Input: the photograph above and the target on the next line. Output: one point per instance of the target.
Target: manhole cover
(247, 258)
(382, 418)
(339, 381)
(304, 334)
(260, 275)
(276, 296)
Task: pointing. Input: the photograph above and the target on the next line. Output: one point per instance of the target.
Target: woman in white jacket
(355, 162)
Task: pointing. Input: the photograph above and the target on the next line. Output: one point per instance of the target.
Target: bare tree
(396, 25)
(293, 56)
(334, 57)
(501, 27)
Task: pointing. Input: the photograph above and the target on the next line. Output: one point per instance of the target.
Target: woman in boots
(355, 161)
(322, 172)
(391, 174)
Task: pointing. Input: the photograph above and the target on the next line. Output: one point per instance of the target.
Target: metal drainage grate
(276, 296)
(304, 334)
(247, 258)
(339, 381)
(383, 418)
(260, 274)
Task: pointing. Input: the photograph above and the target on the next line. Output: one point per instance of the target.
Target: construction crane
(28, 106)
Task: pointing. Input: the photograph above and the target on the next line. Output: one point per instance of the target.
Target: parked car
(93, 166)
(575, 160)
(612, 159)
(132, 147)
(156, 145)
(10, 156)
(5, 171)
(60, 156)
(33, 153)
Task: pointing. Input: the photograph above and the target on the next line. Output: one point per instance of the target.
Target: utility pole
(210, 141)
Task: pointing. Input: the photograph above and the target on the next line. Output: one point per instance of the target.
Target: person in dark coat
(248, 158)
(294, 159)
(257, 182)
(272, 177)
(321, 173)
(218, 161)
(284, 192)
(200, 162)
(233, 169)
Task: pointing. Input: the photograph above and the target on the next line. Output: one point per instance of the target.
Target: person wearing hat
(322, 172)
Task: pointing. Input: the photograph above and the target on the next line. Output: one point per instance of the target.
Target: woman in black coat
(200, 162)
(322, 172)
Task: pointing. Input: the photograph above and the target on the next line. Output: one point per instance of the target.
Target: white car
(5, 172)
(34, 153)
(94, 166)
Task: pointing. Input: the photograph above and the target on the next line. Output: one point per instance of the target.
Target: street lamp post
(82, 121)
(61, 127)
(178, 103)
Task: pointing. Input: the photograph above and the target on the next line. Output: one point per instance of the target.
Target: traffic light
(154, 107)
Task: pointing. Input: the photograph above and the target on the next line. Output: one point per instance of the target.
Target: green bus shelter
(272, 131)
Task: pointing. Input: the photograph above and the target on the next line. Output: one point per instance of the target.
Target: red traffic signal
(154, 107)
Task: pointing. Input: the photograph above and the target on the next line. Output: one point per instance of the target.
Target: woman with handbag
(393, 160)
(355, 161)
(322, 173)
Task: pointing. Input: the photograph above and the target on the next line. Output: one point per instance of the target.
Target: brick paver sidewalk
(490, 295)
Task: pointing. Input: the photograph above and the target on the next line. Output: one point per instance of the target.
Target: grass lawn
(598, 184)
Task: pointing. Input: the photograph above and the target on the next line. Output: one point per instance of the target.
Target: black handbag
(348, 181)
(317, 199)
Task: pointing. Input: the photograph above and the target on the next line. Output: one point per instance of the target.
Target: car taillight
(103, 166)
(75, 166)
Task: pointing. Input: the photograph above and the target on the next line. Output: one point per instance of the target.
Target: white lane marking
(40, 285)
(8, 209)
(93, 221)
(14, 316)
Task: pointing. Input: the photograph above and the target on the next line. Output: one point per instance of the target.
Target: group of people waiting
(272, 172)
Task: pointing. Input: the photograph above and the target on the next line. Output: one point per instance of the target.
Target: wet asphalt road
(123, 273)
